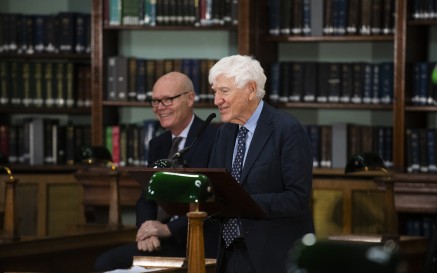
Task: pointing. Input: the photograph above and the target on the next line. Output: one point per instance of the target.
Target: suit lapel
(230, 148)
(262, 133)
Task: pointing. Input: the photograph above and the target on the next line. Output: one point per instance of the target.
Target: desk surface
(70, 253)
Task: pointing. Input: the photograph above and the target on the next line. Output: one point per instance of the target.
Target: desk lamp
(171, 189)
(370, 161)
(10, 231)
(100, 156)
(326, 256)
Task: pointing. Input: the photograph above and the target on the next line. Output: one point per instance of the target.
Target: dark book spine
(314, 136)
(358, 76)
(296, 81)
(16, 83)
(388, 17)
(353, 17)
(140, 80)
(80, 33)
(70, 87)
(274, 15)
(285, 81)
(387, 82)
(275, 81)
(366, 17)
(413, 159)
(367, 83)
(322, 82)
(39, 23)
(334, 78)
(132, 79)
(60, 78)
(285, 17)
(67, 27)
(306, 17)
(38, 99)
(49, 84)
(5, 83)
(376, 17)
(26, 99)
(346, 82)
(296, 19)
(341, 17)
(431, 140)
(310, 85)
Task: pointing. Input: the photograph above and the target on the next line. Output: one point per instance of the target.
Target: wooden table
(70, 253)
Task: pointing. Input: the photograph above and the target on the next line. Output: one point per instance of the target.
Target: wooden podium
(230, 200)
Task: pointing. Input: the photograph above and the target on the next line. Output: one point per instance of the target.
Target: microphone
(181, 152)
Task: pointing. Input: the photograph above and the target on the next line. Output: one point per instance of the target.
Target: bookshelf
(411, 42)
(157, 42)
(45, 75)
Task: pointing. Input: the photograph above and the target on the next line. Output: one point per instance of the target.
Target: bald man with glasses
(172, 103)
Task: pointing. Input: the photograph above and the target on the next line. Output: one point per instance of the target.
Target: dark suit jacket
(197, 157)
(277, 173)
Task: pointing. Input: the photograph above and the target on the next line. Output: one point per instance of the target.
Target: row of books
(331, 17)
(424, 9)
(424, 90)
(63, 33)
(333, 145)
(332, 82)
(132, 79)
(45, 84)
(129, 143)
(419, 225)
(37, 141)
(171, 12)
(421, 150)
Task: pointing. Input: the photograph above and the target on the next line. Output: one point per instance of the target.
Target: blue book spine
(274, 10)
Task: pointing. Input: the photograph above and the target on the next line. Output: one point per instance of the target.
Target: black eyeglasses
(165, 101)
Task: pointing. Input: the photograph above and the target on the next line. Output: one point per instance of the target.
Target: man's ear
(252, 90)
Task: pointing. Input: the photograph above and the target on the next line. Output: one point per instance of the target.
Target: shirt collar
(253, 120)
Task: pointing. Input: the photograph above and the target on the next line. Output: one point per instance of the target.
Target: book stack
(331, 82)
(132, 79)
(129, 143)
(61, 33)
(424, 91)
(421, 150)
(330, 17)
(43, 141)
(45, 84)
(332, 145)
(171, 12)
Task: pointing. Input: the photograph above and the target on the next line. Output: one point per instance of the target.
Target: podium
(230, 201)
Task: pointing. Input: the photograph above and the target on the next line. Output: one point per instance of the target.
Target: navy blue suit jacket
(277, 174)
(197, 157)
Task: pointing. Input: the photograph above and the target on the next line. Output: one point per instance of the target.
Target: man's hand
(150, 244)
(152, 229)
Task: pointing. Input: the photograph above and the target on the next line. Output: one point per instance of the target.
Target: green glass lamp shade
(95, 154)
(330, 256)
(364, 162)
(180, 187)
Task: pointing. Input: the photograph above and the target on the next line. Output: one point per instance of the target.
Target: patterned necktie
(174, 146)
(231, 226)
(162, 216)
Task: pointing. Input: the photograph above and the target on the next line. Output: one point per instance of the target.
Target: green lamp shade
(180, 187)
(364, 162)
(330, 256)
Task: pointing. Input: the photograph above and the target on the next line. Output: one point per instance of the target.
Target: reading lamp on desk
(10, 231)
(179, 188)
(100, 156)
(370, 161)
